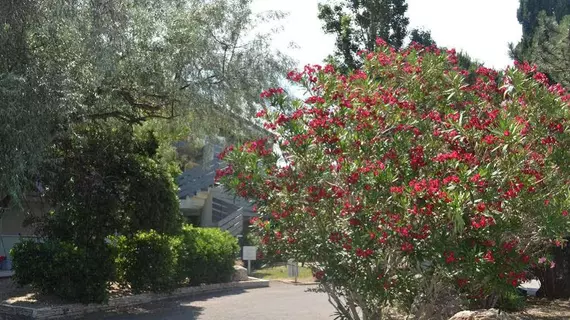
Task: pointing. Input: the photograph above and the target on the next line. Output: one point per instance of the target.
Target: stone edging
(314, 283)
(74, 311)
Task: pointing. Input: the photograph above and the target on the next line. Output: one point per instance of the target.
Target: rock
(491, 314)
(240, 274)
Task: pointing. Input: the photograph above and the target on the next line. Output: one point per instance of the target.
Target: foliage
(30, 105)
(145, 261)
(64, 270)
(422, 37)
(207, 255)
(148, 262)
(554, 275)
(545, 41)
(549, 48)
(357, 24)
(403, 177)
(103, 181)
(529, 12)
(64, 63)
(512, 301)
(25, 125)
(135, 60)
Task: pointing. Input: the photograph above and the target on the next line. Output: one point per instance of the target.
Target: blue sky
(482, 28)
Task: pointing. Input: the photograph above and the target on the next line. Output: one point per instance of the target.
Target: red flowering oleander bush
(402, 177)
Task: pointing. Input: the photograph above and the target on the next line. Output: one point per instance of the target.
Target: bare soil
(543, 309)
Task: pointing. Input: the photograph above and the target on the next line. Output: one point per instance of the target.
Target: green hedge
(64, 270)
(148, 262)
(207, 255)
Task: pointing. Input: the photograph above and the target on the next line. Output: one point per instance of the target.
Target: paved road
(278, 302)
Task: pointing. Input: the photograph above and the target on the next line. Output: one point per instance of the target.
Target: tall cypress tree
(357, 24)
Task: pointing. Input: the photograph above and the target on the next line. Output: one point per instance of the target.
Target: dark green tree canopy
(529, 10)
(546, 37)
(104, 180)
(549, 48)
(422, 37)
(357, 24)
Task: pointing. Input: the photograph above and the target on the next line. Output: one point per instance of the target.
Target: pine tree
(546, 37)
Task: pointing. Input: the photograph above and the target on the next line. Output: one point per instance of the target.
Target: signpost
(249, 254)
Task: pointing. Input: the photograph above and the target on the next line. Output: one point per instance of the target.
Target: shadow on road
(175, 309)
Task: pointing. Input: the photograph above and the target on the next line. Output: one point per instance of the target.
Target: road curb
(75, 311)
(297, 283)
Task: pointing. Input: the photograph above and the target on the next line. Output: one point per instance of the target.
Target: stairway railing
(233, 223)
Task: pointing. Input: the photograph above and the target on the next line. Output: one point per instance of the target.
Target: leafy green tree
(357, 24)
(30, 105)
(101, 181)
(422, 37)
(83, 62)
(545, 41)
(135, 60)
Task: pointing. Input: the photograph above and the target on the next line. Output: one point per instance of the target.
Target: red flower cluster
(480, 222)
(364, 253)
(271, 92)
(259, 147)
(449, 257)
(407, 247)
(417, 157)
(393, 160)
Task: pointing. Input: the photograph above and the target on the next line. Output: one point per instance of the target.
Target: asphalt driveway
(279, 301)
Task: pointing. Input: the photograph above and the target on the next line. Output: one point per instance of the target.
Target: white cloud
(482, 28)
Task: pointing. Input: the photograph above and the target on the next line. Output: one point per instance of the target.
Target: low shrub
(512, 301)
(62, 269)
(148, 262)
(207, 255)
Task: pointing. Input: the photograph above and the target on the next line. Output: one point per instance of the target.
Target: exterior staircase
(233, 223)
(199, 192)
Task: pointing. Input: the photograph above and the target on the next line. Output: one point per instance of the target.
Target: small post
(293, 269)
(296, 276)
(249, 253)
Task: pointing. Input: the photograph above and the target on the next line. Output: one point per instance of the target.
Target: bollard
(292, 269)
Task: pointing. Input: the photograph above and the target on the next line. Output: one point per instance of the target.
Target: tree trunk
(555, 282)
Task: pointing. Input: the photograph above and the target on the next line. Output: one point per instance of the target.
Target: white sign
(249, 253)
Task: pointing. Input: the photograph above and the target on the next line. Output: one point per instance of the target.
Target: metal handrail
(230, 217)
(233, 223)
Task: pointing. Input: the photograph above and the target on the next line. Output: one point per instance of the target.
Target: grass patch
(279, 272)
